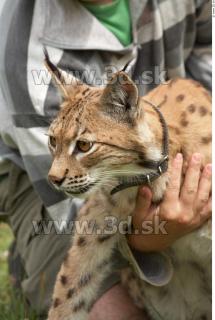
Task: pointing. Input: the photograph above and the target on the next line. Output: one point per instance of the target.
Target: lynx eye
(52, 142)
(84, 146)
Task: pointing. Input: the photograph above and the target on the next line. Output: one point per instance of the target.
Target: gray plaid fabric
(170, 35)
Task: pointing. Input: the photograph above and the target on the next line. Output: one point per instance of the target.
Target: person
(159, 39)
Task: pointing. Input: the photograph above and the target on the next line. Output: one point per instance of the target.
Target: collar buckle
(148, 179)
(160, 170)
(161, 163)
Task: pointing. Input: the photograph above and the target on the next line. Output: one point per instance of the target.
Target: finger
(204, 188)
(173, 189)
(206, 212)
(203, 215)
(143, 204)
(191, 182)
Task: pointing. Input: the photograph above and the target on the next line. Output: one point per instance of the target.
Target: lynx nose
(56, 180)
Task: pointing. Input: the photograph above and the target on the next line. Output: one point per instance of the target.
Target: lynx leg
(87, 264)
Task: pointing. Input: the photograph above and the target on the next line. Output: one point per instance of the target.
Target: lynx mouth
(81, 190)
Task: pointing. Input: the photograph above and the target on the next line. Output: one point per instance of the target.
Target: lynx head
(96, 136)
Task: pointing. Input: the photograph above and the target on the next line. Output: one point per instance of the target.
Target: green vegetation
(11, 304)
(5, 240)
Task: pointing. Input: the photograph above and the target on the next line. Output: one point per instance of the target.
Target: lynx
(105, 142)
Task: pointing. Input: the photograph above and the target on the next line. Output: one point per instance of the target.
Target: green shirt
(115, 17)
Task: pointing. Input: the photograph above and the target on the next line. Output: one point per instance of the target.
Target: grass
(11, 304)
(5, 240)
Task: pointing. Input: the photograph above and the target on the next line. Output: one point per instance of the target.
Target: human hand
(184, 209)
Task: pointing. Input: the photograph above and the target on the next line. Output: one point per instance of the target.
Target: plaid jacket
(168, 35)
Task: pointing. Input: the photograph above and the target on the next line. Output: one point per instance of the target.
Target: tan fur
(120, 143)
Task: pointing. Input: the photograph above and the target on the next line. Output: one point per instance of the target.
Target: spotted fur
(124, 131)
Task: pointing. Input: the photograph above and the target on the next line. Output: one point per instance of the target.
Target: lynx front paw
(158, 189)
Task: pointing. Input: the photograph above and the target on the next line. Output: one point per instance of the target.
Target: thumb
(143, 205)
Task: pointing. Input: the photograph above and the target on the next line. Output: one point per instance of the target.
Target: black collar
(159, 166)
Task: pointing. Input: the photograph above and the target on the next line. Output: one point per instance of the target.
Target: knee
(116, 304)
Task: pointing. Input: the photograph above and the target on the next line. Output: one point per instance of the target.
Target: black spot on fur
(177, 131)
(206, 140)
(191, 108)
(202, 111)
(56, 303)
(85, 280)
(79, 306)
(85, 91)
(63, 280)
(184, 121)
(96, 94)
(180, 97)
(70, 293)
(81, 242)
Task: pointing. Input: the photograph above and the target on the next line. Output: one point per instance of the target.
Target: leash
(159, 166)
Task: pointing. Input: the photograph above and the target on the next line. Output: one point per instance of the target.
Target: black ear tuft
(47, 59)
(57, 75)
(51, 66)
(64, 81)
(126, 66)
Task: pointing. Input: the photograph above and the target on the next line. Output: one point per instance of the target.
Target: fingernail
(179, 156)
(197, 157)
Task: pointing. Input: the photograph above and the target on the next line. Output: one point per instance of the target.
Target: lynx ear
(120, 98)
(62, 80)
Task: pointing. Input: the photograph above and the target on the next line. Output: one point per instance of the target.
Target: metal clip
(160, 170)
(166, 158)
(148, 179)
